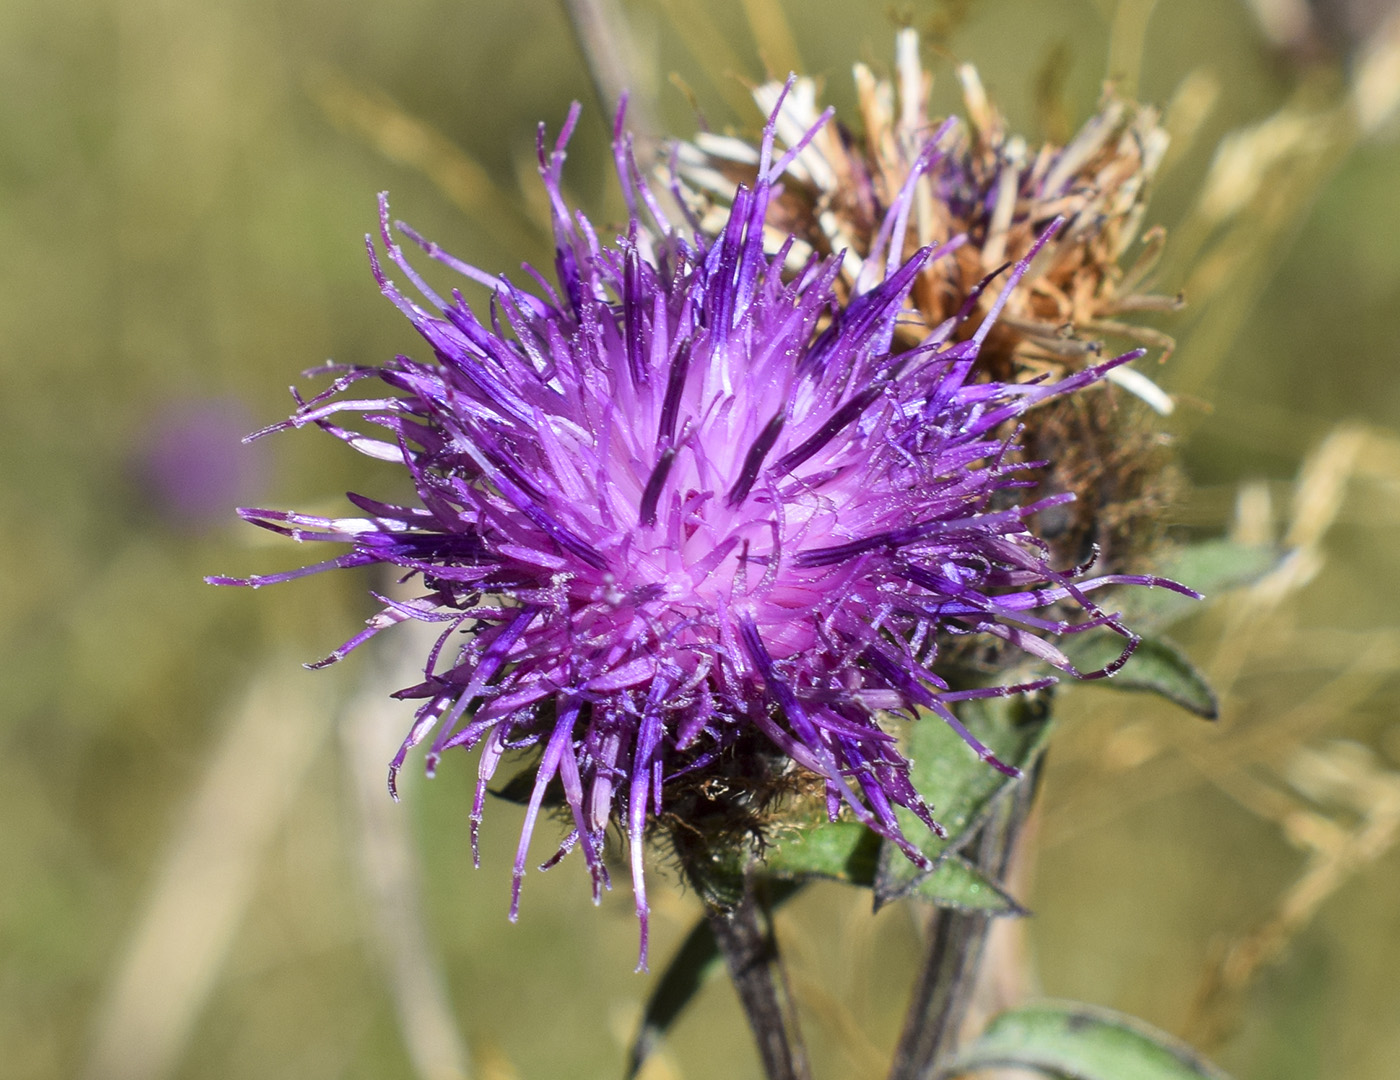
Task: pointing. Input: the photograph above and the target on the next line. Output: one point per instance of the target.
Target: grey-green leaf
(1158, 666)
(848, 851)
(839, 850)
(955, 883)
(1210, 567)
(1080, 1042)
(959, 785)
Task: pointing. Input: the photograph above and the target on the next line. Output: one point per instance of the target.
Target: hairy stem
(745, 937)
(946, 981)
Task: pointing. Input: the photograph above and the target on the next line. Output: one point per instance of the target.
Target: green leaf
(839, 850)
(955, 883)
(1080, 1042)
(1210, 567)
(1157, 667)
(957, 783)
(848, 851)
(695, 962)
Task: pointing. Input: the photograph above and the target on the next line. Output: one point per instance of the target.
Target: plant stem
(751, 953)
(944, 987)
(604, 37)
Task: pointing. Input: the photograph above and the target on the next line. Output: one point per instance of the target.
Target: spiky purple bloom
(687, 497)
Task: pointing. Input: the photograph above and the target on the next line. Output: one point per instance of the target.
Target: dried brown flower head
(986, 184)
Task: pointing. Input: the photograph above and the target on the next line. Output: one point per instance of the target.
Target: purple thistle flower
(691, 497)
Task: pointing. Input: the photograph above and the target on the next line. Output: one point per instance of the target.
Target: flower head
(693, 496)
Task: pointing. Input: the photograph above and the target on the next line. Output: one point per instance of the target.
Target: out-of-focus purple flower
(687, 497)
(192, 464)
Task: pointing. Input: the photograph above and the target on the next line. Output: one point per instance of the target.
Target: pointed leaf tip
(1158, 666)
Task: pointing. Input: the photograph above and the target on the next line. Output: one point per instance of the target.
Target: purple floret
(692, 496)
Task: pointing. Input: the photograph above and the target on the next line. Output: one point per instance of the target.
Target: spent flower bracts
(1090, 283)
(984, 182)
(697, 496)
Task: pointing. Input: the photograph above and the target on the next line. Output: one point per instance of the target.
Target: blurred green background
(185, 814)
